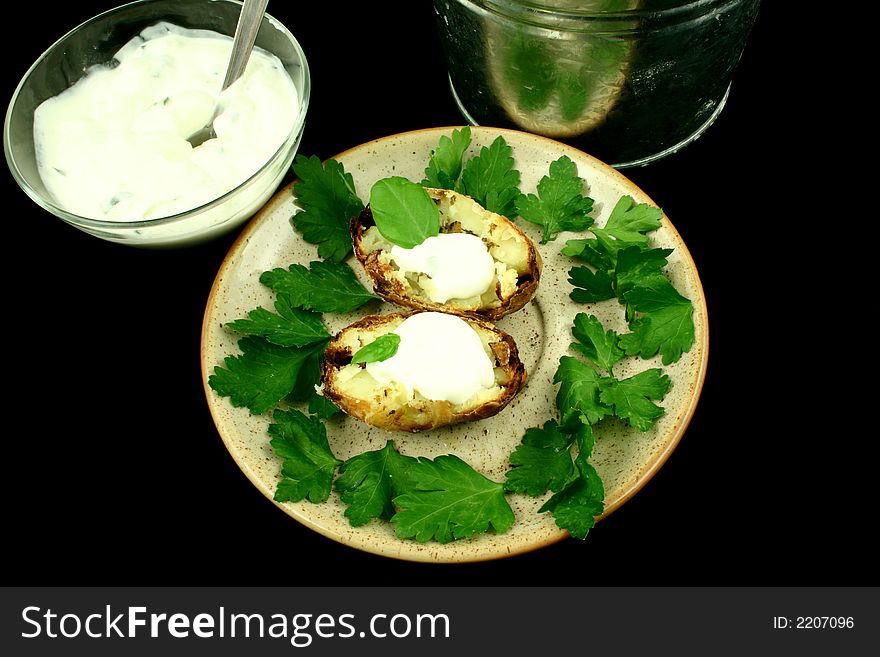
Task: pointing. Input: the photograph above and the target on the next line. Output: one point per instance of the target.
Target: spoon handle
(245, 34)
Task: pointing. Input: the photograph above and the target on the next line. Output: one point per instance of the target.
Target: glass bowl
(95, 42)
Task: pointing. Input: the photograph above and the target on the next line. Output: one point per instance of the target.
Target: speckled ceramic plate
(624, 457)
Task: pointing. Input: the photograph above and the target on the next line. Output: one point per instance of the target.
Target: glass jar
(627, 81)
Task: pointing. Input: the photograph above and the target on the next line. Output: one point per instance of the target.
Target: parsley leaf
(628, 224)
(659, 317)
(665, 326)
(590, 286)
(541, 461)
(324, 286)
(447, 499)
(625, 231)
(560, 204)
(587, 397)
(309, 464)
(578, 398)
(631, 398)
(637, 266)
(445, 165)
(490, 179)
(291, 327)
(369, 482)
(264, 373)
(382, 348)
(576, 506)
(309, 374)
(403, 211)
(325, 192)
(591, 251)
(322, 407)
(594, 342)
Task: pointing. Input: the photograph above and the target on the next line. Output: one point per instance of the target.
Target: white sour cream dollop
(114, 145)
(440, 357)
(459, 265)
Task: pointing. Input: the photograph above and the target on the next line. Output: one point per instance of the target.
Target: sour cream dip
(458, 265)
(439, 356)
(114, 145)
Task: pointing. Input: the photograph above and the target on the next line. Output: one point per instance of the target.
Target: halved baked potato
(516, 260)
(391, 406)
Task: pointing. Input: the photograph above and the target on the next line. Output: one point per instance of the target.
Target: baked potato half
(517, 263)
(396, 405)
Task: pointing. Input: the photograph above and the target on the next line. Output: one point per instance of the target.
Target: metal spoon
(249, 21)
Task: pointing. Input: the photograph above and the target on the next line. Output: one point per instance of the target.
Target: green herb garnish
(491, 179)
(328, 200)
(368, 483)
(622, 265)
(633, 399)
(594, 342)
(542, 461)
(446, 499)
(382, 348)
(443, 500)
(586, 396)
(560, 204)
(664, 322)
(403, 211)
(447, 160)
(555, 459)
(281, 352)
(289, 326)
(308, 464)
(325, 287)
(576, 506)
(627, 226)
(322, 407)
(579, 398)
(266, 373)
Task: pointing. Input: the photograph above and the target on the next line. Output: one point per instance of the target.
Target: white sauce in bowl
(114, 145)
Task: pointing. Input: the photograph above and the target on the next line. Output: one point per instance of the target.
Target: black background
(114, 473)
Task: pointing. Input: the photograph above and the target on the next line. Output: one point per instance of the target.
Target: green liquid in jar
(623, 89)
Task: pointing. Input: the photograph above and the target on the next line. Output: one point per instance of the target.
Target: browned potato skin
(393, 291)
(420, 415)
